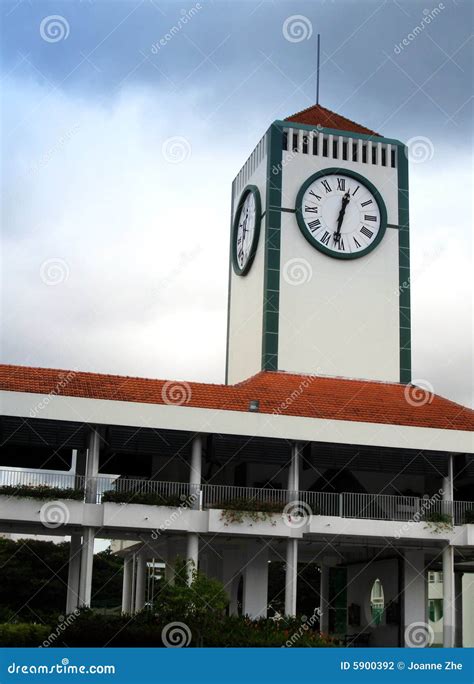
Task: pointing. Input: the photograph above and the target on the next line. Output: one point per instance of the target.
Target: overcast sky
(121, 140)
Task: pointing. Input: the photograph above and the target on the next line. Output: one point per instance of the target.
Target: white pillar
(87, 560)
(294, 469)
(127, 584)
(414, 591)
(92, 465)
(140, 582)
(458, 607)
(192, 553)
(255, 595)
(324, 598)
(449, 605)
(291, 576)
(196, 469)
(231, 569)
(74, 571)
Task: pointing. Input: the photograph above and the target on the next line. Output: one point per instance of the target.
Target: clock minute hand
(340, 218)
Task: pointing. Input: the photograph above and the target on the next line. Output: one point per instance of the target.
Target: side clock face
(246, 229)
(341, 213)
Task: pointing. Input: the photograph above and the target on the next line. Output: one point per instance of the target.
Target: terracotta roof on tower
(320, 116)
(287, 394)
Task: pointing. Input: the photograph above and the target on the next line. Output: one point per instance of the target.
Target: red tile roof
(278, 392)
(320, 116)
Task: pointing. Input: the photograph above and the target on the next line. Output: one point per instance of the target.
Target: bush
(23, 634)
(41, 492)
(148, 498)
(236, 510)
(469, 516)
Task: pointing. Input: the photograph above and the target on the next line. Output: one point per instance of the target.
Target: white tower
(319, 274)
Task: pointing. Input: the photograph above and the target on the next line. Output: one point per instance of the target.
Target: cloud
(141, 242)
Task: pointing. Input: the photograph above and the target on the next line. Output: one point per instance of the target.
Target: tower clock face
(246, 230)
(341, 213)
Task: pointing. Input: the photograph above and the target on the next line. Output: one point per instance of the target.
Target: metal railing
(37, 478)
(345, 505)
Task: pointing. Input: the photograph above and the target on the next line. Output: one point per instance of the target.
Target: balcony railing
(345, 505)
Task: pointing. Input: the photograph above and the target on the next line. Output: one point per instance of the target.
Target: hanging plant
(439, 522)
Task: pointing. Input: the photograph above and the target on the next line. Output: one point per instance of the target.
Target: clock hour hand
(340, 218)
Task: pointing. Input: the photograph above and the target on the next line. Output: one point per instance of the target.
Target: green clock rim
(362, 179)
(258, 218)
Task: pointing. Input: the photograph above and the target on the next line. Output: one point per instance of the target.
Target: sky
(124, 123)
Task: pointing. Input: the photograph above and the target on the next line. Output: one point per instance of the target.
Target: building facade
(317, 450)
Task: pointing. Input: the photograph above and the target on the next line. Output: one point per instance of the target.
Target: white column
(87, 560)
(330, 142)
(255, 595)
(449, 605)
(294, 469)
(414, 591)
(74, 571)
(231, 568)
(324, 599)
(192, 553)
(140, 582)
(196, 469)
(92, 465)
(458, 633)
(127, 584)
(291, 576)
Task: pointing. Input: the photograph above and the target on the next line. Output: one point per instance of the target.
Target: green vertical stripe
(404, 267)
(271, 285)
(229, 287)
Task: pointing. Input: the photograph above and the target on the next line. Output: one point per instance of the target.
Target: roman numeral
(318, 197)
(365, 231)
(314, 225)
(357, 243)
(314, 210)
(355, 190)
(326, 186)
(340, 244)
(364, 204)
(370, 218)
(325, 238)
(341, 184)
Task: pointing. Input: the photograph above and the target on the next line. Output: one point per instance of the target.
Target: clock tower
(319, 269)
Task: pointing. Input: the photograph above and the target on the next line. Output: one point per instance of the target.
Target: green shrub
(469, 516)
(41, 492)
(23, 634)
(148, 498)
(236, 510)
